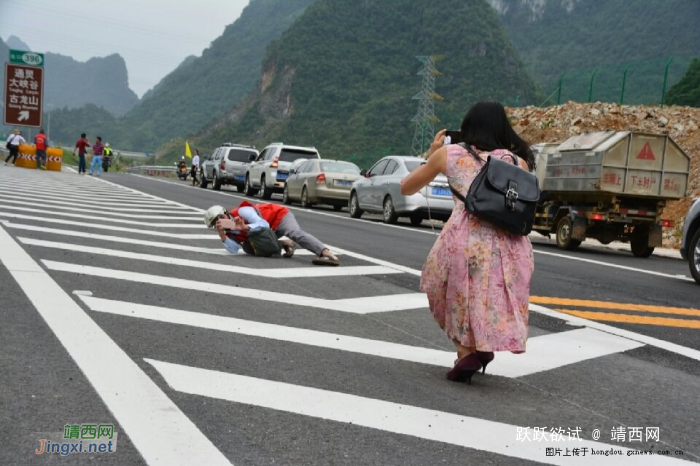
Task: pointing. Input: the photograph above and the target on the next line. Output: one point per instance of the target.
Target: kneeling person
(243, 227)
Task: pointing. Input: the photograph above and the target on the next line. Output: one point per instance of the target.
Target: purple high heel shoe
(464, 369)
(485, 357)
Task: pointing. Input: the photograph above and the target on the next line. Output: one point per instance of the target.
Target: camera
(455, 137)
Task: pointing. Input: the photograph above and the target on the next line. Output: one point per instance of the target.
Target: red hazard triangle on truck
(646, 153)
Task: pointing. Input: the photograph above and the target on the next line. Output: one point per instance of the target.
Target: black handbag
(262, 243)
(502, 194)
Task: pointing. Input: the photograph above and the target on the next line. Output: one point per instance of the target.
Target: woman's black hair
(486, 127)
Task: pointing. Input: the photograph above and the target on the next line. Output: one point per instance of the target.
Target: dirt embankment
(558, 123)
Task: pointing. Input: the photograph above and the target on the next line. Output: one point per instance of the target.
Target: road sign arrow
(23, 115)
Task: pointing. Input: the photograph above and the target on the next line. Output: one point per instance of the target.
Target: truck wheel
(388, 212)
(265, 192)
(354, 206)
(240, 188)
(694, 256)
(203, 182)
(249, 190)
(640, 245)
(564, 239)
(217, 182)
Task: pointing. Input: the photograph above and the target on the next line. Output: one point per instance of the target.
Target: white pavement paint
(189, 226)
(294, 272)
(95, 201)
(80, 196)
(544, 353)
(151, 196)
(162, 434)
(96, 210)
(367, 305)
(38, 200)
(616, 266)
(62, 187)
(99, 226)
(439, 426)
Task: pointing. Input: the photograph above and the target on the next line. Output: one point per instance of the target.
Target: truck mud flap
(655, 237)
(578, 231)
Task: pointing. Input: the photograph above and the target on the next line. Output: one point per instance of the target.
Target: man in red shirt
(83, 145)
(41, 143)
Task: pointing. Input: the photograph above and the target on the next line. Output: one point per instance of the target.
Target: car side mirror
(363, 172)
(292, 171)
(252, 157)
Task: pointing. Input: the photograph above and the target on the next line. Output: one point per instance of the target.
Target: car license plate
(441, 192)
(240, 177)
(282, 176)
(343, 183)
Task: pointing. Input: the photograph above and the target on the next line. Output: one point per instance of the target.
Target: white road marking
(93, 201)
(294, 272)
(78, 196)
(99, 226)
(607, 264)
(544, 353)
(185, 206)
(383, 303)
(162, 434)
(189, 226)
(63, 187)
(439, 426)
(96, 210)
(48, 201)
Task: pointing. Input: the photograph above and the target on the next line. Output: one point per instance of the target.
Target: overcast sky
(153, 36)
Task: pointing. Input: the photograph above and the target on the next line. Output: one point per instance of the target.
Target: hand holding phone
(453, 137)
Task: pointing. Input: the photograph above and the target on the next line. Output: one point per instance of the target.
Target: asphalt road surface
(119, 308)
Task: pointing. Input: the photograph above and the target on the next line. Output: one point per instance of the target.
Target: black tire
(240, 188)
(639, 244)
(265, 192)
(354, 206)
(337, 207)
(416, 220)
(564, 239)
(248, 189)
(305, 199)
(388, 212)
(285, 195)
(203, 182)
(694, 256)
(216, 183)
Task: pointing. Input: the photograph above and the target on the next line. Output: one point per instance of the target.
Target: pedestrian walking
(235, 226)
(106, 157)
(13, 142)
(82, 146)
(477, 276)
(97, 150)
(195, 167)
(41, 143)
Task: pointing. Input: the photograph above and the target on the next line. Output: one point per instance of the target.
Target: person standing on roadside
(106, 157)
(195, 167)
(13, 142)
(97, 150)
(41, 143)
(82, 146)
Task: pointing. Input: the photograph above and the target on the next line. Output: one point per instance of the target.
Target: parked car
(321, 182)
(270, 170)
(380, 191)
(690, 242)
(228, 165)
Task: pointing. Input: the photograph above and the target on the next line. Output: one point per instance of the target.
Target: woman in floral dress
(477, 276)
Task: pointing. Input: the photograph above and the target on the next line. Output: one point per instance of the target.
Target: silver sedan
(320, 181)
(380, 192)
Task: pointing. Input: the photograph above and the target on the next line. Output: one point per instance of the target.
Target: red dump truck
(611, 186)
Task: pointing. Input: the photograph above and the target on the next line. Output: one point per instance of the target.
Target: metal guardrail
(152, 170)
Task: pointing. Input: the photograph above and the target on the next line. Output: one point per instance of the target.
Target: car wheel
(416, 220)
(265, 192)
(354, 206)
(564, 239)
(217, 182)
(249, 190)
(305, 198)
(285, 195)
(389, 212)
(694, 256)
(203, 182)
(337, 207)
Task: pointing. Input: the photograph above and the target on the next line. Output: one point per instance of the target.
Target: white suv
(270, 170)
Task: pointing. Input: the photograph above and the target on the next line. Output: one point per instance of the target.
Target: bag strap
(471, 151)
(457, 194)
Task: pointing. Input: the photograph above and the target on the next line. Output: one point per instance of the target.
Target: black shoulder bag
(502, 194)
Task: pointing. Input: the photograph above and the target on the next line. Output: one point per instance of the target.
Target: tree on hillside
(687, 90)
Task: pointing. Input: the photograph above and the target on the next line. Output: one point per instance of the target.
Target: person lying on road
(235, 226)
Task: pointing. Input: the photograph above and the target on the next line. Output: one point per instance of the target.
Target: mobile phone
(455, 137)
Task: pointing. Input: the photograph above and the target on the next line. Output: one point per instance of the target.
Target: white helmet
(107, 145)
(212, 215)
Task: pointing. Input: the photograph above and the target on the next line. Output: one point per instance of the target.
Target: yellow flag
(188, 152)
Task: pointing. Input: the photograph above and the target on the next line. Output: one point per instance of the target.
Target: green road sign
(22, 57)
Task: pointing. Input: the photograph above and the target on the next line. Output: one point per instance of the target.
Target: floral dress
(477, 276)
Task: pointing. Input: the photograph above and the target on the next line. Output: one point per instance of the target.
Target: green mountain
(204, 88)
(343, 76)
(687, 90)
(103, 82)
(575, 37)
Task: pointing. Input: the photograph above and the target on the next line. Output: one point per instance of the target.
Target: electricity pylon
(425, 119)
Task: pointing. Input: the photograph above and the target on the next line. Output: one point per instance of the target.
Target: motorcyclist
(107, 157)
(182, 168)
